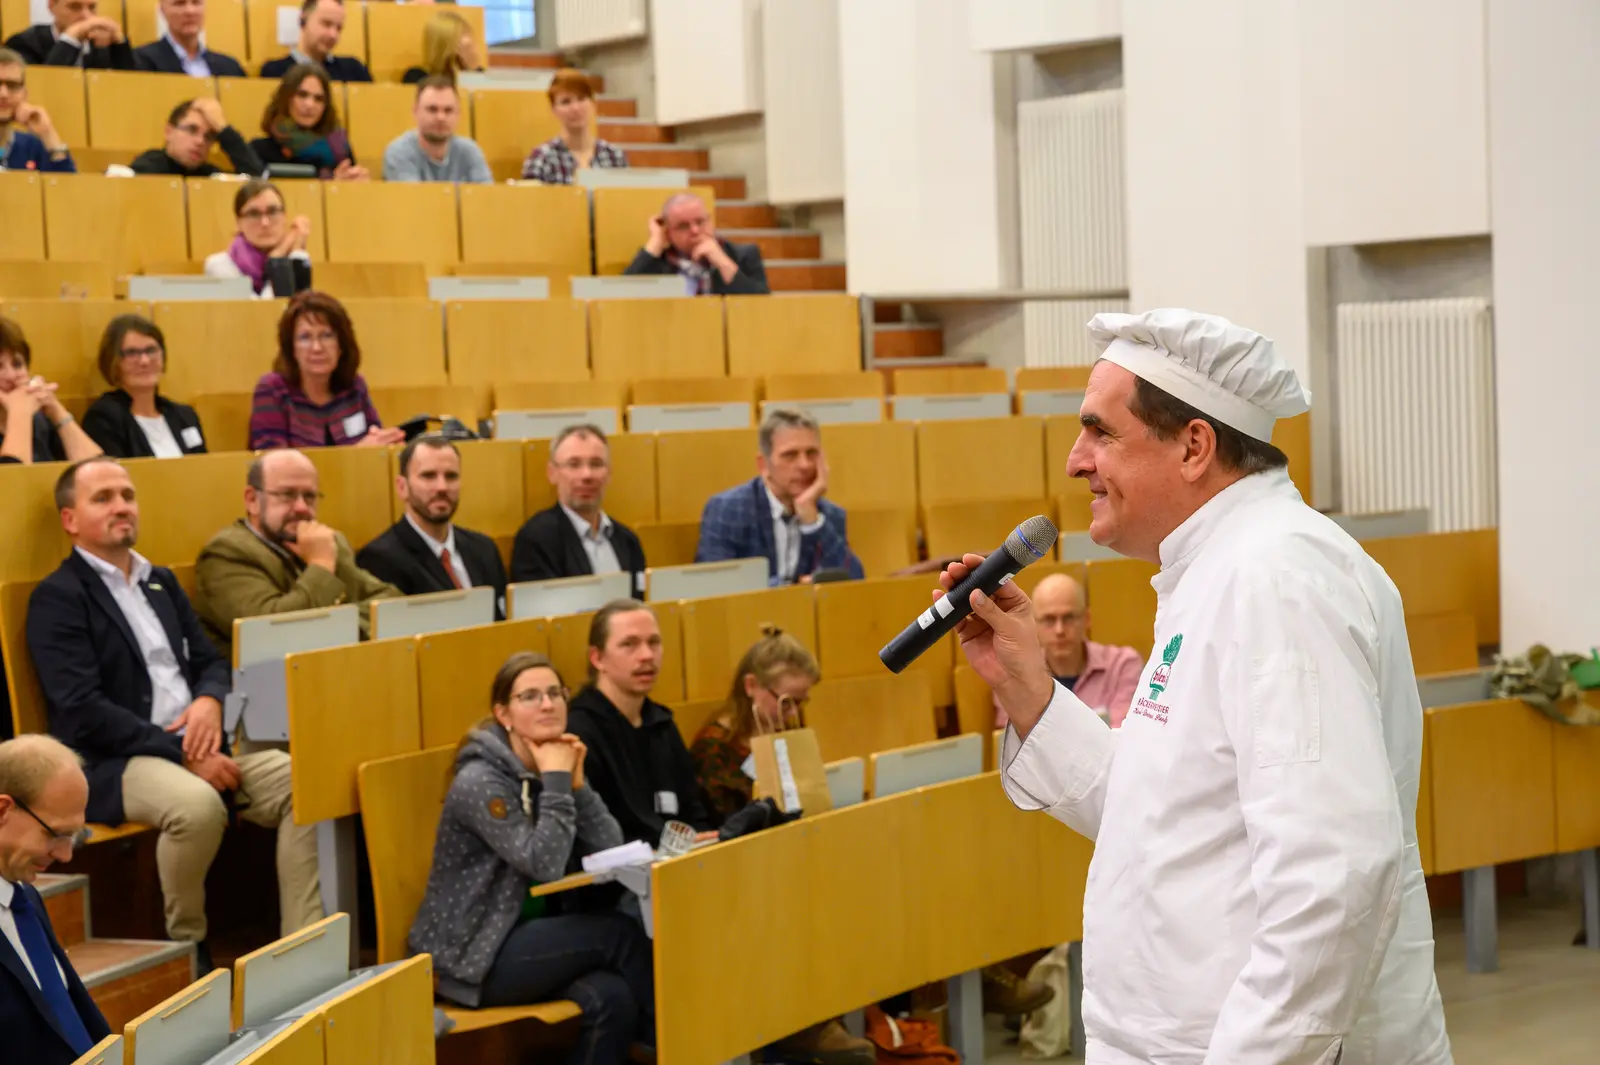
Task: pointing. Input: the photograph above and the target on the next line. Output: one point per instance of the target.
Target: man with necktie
(46, 1015)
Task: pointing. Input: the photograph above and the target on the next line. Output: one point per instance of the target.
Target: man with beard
(133, 685)
(279, 557)
(424, 551)
(432, 151)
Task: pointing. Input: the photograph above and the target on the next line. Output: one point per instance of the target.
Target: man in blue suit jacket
(182, 50)
(46, 1016)
(781, 515)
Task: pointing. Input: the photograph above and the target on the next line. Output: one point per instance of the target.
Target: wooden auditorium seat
(1493, 783)
(225, 419)
(363, 222)
(184, 502)
(776, 334)
(217, 346)
(402, 341)
(62, 93)
(545, 227)
(717, 632)
(455, 668)
(22, 217)
(128, 109)
(957, 528)
(884, 539)
(34, 279)
(64, 335)
(1442, 573)
(622, 222)
(499, 342)
(350, 281)
(845, 384)
(670, 543)
(374, 114)
(1122, 604)
(694, 466)
(357, 490)
(856, 618)
(948, 381)
(980, 459)
(633, 339)
(855, 717)
(400, 403)
(719, 389)
(887, 478)
(126, 222)
(508, 125)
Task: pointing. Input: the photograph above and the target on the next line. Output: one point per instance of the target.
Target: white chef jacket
(1256, 893)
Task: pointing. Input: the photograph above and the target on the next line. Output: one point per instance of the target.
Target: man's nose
(1079, 463)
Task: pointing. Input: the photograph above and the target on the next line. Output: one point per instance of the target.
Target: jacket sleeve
(83, 715)
(209, 673)
(63, 53)
(489, 805)
(1063, 765)
(717, 543)
(751, 280)
(364, 584)
(601, 776)
(597, 829)
(233, 585)
(375, 560)
(531, 557)
(645, 263)
(830, 544)
(1321, 815)
(239, 154)
(102, 429)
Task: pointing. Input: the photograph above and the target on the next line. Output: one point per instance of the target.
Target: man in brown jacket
(278, 557)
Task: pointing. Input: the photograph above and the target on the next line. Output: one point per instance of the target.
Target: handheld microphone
(1026, 545)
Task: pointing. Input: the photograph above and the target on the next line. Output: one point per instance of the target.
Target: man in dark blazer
(134, 686)
(683, 240)
(781, 515)
(76, 36)
(576, 537)
(321, 26)
(181, 50)
(46, 1015)
(425, 551)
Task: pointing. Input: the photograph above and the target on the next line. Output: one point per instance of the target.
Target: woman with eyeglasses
(34, 425)
(264, 231)
(520, 813)
(314, 396)
(771, 687)
(134, 420)
(301, 123)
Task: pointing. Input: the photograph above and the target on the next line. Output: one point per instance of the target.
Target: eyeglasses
(306, 340)
(540, 696)
(579, 465)
(261, 214)
(151, 352)
(12, 85)
(289, 495)
(57, 839)
(199, 131)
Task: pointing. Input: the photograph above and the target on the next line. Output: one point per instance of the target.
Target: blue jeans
(601, 961)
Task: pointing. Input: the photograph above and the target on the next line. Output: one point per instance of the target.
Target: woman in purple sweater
(314, 397)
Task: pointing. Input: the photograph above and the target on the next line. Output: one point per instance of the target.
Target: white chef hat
(1231, 373)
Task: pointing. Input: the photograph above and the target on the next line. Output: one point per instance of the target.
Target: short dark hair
(330, 310)
(13, 340)
(67, 483)
(433, 440)
(437, 81)
(110, 358)
(582, 429)
(1165, 415)
(253, 188)
(177, 114)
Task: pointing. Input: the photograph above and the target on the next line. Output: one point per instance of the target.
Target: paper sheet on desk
(637, 852)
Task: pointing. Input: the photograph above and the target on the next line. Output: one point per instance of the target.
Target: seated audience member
(45, 1012)
(432, 151)
(34, 426)
(637, 760)
(781, 515)
(683, 240)
(192, 128)
(135, 687)
(425, 551)
(558, 160)
(183, 49)
(321, 26)
(134, 420)
(265, 232)
(314, 396)
(576, 537)
(77, 35)
(301, 123)
(1105, 676)
(279, 557)
(448, 48)
(28, 139)
(771, 686)
(520, 812)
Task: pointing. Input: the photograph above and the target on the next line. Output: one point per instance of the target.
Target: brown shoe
(823, 1044)
(1006, 992)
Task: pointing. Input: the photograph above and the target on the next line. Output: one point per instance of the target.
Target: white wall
(707, 58)
(585, 22)
(1544, 170)
(805, 145)
(1034, 25)
(1396, 134)
(1215, 213)
(922, 149)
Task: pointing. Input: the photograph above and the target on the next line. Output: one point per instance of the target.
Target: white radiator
(585, 22)
(1416, 410)
(1070, 171)
(1054, 332)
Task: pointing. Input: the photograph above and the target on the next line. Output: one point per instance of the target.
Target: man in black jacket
(425, 551)
(576, 537)
(132, 684)
(192, 128)
(321, 26)
(76, 36)
(182, 49)
(683, 240)
(46, 1016)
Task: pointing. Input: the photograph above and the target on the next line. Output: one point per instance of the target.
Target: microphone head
(1032, 540)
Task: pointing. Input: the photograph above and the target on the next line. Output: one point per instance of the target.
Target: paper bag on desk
(789, 768)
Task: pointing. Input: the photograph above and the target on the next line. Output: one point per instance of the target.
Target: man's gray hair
(784, 418)
(29, 763)
(581, 429)
(677, 198)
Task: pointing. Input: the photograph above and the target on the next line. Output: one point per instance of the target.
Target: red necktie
(449, 569)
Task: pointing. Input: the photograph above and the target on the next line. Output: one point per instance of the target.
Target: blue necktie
(37, 945)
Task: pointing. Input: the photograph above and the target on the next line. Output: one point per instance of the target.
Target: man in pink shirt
(1104, 676)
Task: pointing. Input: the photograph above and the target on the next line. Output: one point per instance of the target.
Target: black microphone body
(1028, 543)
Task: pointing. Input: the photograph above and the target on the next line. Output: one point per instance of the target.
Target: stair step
(888, 313)
(744, 214)
(616, 106)
(126, 977)
(530, 60)
(626, 131)
(667, 155)
(805, 275)
(777, 243)
(66, 900)
(907, 340)
(724, 186)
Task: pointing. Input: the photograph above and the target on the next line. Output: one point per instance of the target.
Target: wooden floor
(1542, 1006)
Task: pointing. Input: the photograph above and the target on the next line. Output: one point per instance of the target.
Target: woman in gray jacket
(518, 813)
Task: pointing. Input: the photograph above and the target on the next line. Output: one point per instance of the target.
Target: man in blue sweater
(28, 139)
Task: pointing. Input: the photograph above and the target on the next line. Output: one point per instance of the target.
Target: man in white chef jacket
(1256, 895)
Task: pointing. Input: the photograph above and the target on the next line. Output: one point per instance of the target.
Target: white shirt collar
(581, 523)
(1182, 543)
(779, 511)
(7, 890)
(139, 574)
(434, 545)
(172, 42)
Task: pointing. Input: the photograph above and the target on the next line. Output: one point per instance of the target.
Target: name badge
(667, 803)
(191, 436)
(749, 767)
(355, 426)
